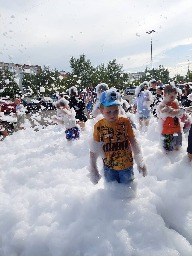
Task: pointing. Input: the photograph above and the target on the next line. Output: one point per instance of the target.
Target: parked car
(130, 90)
(31, 105)
(7, 106)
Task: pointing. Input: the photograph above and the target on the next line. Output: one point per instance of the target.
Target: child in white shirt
(20, 114)
(66, 116)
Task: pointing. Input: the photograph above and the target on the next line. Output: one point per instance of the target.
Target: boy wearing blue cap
(113, 136)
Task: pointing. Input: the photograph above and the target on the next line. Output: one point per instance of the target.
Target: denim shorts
(124, 176)
(72, 133)
(144, 116)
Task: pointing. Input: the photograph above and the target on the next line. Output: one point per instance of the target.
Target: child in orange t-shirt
(169, 113)
(113, 136)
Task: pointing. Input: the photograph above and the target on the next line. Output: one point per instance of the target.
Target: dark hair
(169, 89)
(73, 92)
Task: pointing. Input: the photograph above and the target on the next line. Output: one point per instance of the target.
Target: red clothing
(171, 125)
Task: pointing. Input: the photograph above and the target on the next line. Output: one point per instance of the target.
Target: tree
(50, 80)
(116, 75)
(112, 74)
(159, 74)
(9, 87)
(84, 74)
(82, 71)
(189, 75)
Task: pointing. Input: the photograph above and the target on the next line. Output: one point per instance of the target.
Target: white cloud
(103, 30)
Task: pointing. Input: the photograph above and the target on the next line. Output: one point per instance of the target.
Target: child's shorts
(124, 176)
(144, 116)
(172, 141)
(72, 133)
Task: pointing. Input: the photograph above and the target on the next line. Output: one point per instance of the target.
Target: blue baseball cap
(110, 97)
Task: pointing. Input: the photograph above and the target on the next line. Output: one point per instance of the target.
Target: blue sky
(50, 32)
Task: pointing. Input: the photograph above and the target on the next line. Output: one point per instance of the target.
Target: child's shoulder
(100, 121)
(123, 119)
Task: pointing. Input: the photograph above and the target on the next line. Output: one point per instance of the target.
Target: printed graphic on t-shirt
(116, 143)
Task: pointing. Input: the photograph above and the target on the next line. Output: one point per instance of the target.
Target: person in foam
(99, 89)
(114, 140)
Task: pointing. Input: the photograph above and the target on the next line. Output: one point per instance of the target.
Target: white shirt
(68, 117)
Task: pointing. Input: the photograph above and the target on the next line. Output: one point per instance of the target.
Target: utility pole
(150, 33)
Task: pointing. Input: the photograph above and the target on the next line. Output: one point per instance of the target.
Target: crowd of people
(114, 138)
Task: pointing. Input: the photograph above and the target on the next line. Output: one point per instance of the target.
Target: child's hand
(166, 109)
(143, 170)
(95, 177)
(190, 157)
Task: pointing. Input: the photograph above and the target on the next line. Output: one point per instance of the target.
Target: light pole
(150, 33)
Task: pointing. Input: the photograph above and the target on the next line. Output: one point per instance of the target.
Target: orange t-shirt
(171, 125)
(116, 137)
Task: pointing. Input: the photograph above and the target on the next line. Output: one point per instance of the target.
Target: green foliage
(82, 75)
(50, 80)
(86, 75)
(189, 75)
(179, 79)
(8, 85)
(159, 74)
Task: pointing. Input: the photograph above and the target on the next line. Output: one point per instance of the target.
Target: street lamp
(150, 33)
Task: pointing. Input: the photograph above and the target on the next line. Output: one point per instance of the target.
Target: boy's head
(153, 83)
(73, 91)
(159, 90)
(110, 101)
(170, 93)
(61, 103)
(17, 101)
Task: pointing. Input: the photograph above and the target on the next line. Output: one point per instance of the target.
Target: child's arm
(57, 120)
(138, 156)
(189, 109)
(67, 111)
(169, 111)
(96, 149)
(94, 173)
